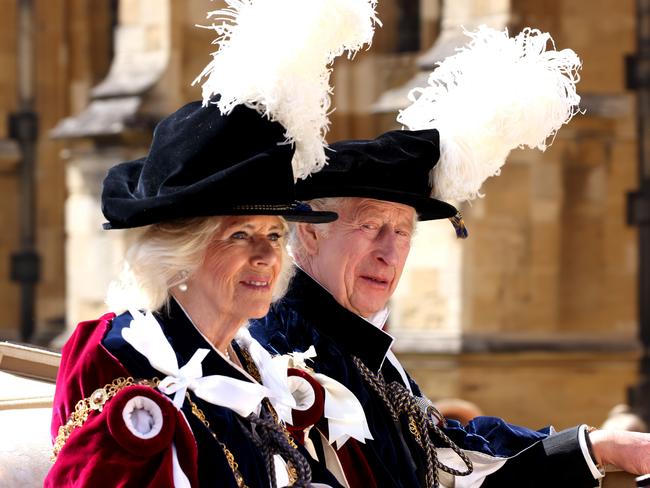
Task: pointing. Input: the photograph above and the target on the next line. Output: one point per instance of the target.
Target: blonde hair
(161, 256)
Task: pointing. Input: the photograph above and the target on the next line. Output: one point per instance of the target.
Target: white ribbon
(147, 337)
(179, 476)
(273, 371)
(299, 359)
(178, 380)
(344, 413)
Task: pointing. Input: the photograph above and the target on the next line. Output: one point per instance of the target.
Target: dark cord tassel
(401, 402)
(459, 225)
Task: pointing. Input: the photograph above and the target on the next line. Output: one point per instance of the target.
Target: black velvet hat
(394, 167)
(202, 163)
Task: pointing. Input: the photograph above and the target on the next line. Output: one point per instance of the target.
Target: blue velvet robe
(309, 315)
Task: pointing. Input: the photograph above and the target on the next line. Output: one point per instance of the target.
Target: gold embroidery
(265, 207)
(234, 466)
(413, 427)
(95, 402)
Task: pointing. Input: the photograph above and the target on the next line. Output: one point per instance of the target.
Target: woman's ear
(308, 236)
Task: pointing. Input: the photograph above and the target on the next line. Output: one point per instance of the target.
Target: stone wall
(534, 389)
(550, 265)
(71, 45)
(9, 238)
(549, 247)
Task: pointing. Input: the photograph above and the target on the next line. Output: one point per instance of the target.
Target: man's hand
(628, 451)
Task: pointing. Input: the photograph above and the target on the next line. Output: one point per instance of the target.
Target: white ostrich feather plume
(274, 56)
(496, 94)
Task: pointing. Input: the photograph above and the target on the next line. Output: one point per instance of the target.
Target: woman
(173, 391)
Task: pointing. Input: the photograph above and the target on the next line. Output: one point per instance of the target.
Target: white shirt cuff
(596, 472)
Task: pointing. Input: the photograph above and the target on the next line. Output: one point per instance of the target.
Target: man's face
(361, 257)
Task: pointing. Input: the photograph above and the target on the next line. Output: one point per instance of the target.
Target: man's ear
(309, 238)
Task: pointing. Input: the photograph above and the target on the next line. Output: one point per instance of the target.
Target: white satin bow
(344, 413)
(273, 370)
(147, 337)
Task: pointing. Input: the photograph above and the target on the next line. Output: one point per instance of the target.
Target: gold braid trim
(83, 408)
(415, 432)
(234, 466)
(250, 365)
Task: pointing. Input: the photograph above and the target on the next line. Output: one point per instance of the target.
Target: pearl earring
(182, 276)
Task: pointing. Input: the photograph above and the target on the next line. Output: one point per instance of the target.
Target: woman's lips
(256, 284)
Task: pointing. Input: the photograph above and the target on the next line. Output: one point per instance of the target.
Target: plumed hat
(203, 163)
(393, 167)
(494, 95)
(266, 97)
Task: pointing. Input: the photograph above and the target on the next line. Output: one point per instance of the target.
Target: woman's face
(240, 268)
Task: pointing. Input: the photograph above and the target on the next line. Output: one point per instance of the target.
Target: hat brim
(426, 208)
(311, 217)
(202, 163)
(301, 213)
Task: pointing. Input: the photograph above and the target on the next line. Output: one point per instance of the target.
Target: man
(338, 302)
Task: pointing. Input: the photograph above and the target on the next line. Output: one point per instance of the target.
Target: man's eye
(369, 226)
(239, 235)
(403, 233)
(274, 236)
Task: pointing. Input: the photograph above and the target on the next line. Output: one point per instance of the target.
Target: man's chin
(369, 309)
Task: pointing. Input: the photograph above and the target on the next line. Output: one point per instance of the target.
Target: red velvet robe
(104, 452)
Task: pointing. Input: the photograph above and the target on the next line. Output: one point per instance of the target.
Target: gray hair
(331, 204)
(160, 256)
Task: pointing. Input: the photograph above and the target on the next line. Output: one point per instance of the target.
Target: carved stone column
(115, 126)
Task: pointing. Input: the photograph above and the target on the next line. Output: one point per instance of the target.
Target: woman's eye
(239, 235)
(274, 236)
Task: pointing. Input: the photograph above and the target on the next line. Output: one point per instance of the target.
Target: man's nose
(387, 246)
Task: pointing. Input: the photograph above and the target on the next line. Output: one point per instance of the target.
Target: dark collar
(184, 338)
(348, 330)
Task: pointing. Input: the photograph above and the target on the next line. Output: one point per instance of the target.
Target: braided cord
(271, 439)
(402, 404)
(401, 401)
